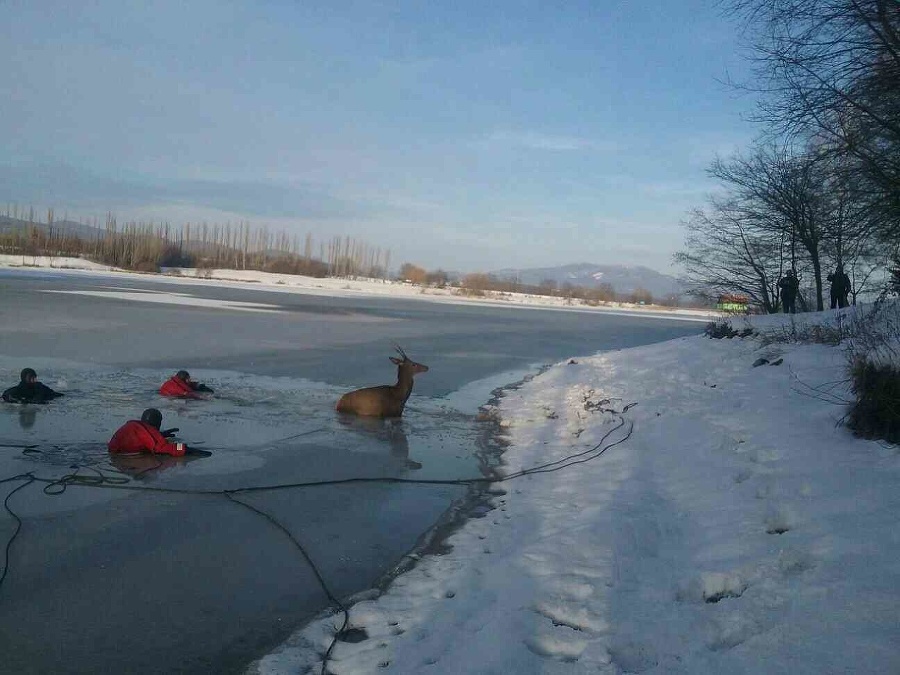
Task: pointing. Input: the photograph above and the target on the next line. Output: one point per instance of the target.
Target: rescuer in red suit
(143, 435)
(181, 385)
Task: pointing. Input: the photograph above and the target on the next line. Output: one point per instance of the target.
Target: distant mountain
(623, 278)
(9, 225)
(89, 233)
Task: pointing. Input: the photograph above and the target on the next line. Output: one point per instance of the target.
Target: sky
(466, 136)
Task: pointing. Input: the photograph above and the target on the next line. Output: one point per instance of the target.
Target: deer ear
(394, 359)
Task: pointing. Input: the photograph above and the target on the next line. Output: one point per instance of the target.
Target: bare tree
(49, 247)
(830, 70)
(852, 224)
(726, 252)
(782, 191)
(412, 273)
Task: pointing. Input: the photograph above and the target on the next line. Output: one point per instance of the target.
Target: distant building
(733, 303)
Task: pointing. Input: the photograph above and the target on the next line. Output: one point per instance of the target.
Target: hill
(623, 278)
(9, 225)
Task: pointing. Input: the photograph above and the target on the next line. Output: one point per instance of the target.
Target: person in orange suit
(144, 435)
(180, 385)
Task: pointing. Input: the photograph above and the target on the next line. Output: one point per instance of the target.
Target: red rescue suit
(137, 436)
(175, 387)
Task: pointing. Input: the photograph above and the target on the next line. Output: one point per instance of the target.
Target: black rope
(290, 438)
(58, 486)
(324, 585)
(289, 535)
(559, 464)
(29, 478)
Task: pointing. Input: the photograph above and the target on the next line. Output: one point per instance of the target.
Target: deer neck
(404, 385)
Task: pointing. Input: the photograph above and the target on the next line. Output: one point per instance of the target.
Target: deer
(386, 400)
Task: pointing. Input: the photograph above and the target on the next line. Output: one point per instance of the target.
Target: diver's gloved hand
(168, 433)
(204, 388)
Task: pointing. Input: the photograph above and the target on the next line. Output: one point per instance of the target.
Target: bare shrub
(470, 292)
(174, 256)
(807, 333)
(281, 265)
(204, 270)
(298, 266)
(412, 273)
(145, 266)
(876, 411)
(876, 333)
(722, 328)
(477, 282)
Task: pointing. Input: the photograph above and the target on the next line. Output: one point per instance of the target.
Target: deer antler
(401, 352)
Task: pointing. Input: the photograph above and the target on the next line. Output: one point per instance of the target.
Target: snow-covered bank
(739, 528)
(53, 262)
(292, 283)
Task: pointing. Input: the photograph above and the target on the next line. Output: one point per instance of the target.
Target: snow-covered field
(739, 528)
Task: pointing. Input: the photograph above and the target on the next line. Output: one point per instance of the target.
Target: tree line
(819, 188)
(480, 284)
(148, 247)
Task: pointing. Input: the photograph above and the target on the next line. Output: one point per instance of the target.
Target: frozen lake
(104, 580)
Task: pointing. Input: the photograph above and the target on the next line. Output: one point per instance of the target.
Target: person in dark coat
(840, 287)
(789, 285)
(180, 385)
(29, 390)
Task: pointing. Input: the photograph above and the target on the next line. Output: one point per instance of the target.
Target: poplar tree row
(151, 246)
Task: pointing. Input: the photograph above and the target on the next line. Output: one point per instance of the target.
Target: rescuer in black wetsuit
(29, 390)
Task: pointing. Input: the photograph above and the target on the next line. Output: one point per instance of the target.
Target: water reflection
(145, 466)
(390, 431)
(27, 416)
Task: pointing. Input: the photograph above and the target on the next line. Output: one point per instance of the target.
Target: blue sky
(468, 136)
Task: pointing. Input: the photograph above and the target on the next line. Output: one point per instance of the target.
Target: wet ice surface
(215, 583)
(272, 430)
(342, 341)
(108, 341)
(229, 574)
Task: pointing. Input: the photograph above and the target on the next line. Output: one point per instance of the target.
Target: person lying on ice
(29, 390)
(182, 386)
(143, 435)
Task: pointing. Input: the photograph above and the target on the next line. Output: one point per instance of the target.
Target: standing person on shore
(840, 287)
(180, 385)
(29, 390)
(789, 285)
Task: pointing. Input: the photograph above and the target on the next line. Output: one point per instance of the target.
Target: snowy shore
(739, 528)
